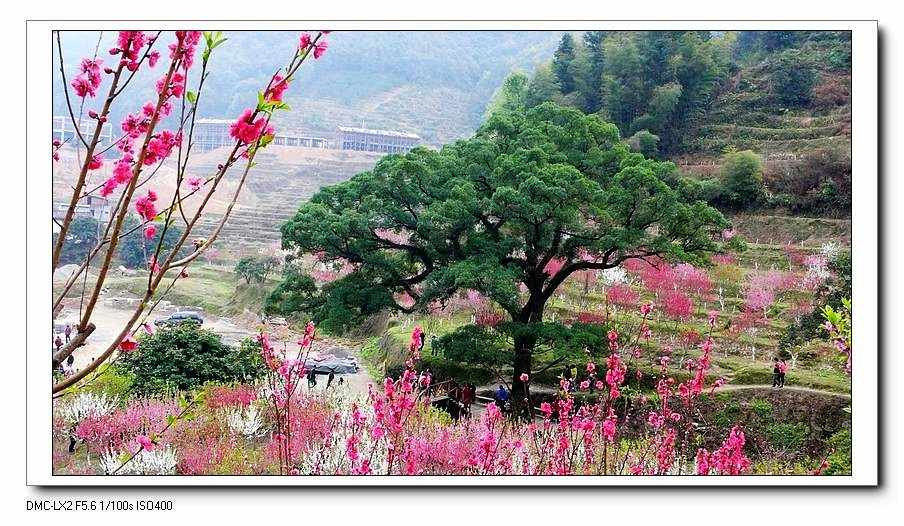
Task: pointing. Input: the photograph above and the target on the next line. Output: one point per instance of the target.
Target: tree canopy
(659, 81)
(135, 250)
(82, 237)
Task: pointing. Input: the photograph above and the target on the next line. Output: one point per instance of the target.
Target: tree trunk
(520, 399)
(525, 339)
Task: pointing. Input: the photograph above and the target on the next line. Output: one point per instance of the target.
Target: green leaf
(192, 97)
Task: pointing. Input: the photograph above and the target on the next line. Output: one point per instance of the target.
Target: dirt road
(111, 314)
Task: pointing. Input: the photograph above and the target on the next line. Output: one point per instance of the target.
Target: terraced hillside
(283, 178)
(748, 115)
(775, 230)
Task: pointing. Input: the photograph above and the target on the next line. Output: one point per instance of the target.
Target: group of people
(460, 399)
(68, 365)
(58, 341)
(465, 395)
(779, 369)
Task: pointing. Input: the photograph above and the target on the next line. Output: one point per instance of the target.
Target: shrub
(819, 183)
(762, 408)
(256, 269)
(793, 80)
(742, 179)
(187, 356)
(832, 91)
(82, 237)
(645, 143)
(111, 380)
(297, 292)
(840, 458)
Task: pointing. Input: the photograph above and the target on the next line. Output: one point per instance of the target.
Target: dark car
(178, 318)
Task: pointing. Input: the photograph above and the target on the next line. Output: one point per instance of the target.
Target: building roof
(389, 133)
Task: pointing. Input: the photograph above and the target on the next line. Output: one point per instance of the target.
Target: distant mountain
(433, 83)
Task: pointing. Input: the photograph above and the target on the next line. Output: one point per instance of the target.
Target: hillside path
(743, 387)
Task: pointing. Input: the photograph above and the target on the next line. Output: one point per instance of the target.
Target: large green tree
(562, 63)
(512, 96)
(492, 212)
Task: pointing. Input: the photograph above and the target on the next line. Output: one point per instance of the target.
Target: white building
(211, 134)
(89, 206)
(382, 141)
(64, 131)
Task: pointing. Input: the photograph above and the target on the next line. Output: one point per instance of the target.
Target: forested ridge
(778, 99)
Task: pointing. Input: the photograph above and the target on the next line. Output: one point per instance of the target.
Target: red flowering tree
(139, 151)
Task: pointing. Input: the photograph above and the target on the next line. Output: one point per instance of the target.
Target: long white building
(383, 141)
(211, 134)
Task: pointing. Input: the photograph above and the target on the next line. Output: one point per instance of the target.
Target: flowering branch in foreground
(142, 145)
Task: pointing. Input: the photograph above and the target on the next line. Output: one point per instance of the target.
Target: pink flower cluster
(305, 42)
(488, 318)
(677, 305)
(590, 318)
(247, 130)
(129, 45)
(145, 207)
(161, 145)
(615, 374)
(729, 459)
(222, 396)
(183, 49)
(762, 288)
(622, 295)
(88, 80)
(278, 86)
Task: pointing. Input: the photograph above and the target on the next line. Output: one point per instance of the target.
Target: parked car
(178, 318)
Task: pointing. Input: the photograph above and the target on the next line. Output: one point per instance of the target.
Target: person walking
(467, 398)
(58, 342)
(330, 378)
(68, 332)
(776, 373)
(501, 396)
